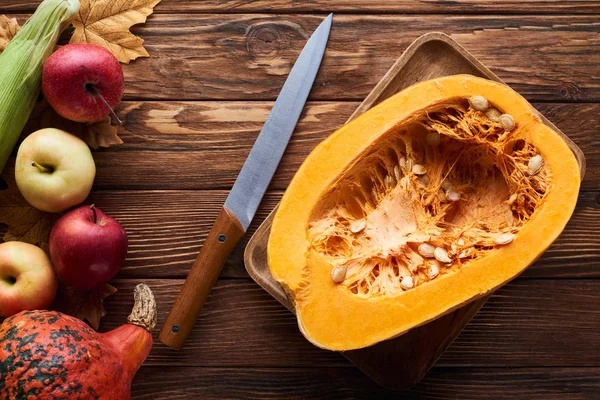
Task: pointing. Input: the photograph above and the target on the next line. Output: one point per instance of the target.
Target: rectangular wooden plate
(402, 361)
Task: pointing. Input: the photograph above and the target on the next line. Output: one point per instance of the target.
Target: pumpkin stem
(144, 310)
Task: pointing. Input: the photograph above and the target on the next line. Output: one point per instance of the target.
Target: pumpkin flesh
(423, 171)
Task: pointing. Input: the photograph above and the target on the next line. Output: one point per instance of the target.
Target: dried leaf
(8, 29)
(97, 134)
(25, 223)
(100, 134)
(107, 23)
(85, 305)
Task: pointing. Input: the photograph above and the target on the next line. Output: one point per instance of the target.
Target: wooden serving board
(402, 361)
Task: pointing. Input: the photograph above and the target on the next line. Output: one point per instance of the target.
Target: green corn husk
(21, 66)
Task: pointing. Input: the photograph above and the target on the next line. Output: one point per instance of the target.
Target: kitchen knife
(247, 192)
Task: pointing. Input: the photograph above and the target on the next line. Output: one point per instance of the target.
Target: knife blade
(248, 190)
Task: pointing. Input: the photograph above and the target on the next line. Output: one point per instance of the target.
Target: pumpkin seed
(535, 164)
(406, 163)
(453, 195)
(453, 249)
(507, 122)
(493, 114)
(479, 103)
(426, 250)
(505, 238)
(513, 197)
(441, 255)
(389, 182)
(460, 242)
(433, 271)
(358, 225)
(397, 172)
(338, 274)
(417, 237)
(419, 169)
(447, 185)
(424, 180)
(465, 253)
(407, 282)
(433, 138)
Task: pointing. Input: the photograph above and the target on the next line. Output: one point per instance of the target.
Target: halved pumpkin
(431, 199)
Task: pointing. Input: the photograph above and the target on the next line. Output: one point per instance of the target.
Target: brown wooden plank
(167, 228)
(528, 323)
(349, 383)
(202, 145)
(356, 6)
(248, 56)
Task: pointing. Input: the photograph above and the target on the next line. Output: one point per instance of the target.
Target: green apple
(27, 280)
(55, 170)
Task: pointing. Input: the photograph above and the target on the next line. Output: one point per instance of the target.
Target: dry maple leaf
(25, 223)
(8, 29)
(107, 23)
(85, 305)
(97, 134)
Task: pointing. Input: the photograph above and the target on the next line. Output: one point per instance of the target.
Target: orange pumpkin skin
(46, 354)
(50, 355)
(332, 216)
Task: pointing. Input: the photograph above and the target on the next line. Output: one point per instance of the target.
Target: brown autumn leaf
(8, 29)
(85, 305)
(96, 134)
(100, 134)
(25, 223)
(107, 23)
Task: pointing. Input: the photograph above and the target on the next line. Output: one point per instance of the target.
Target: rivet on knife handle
(219, 243)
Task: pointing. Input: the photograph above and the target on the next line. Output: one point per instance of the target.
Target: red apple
(27, 280)
(87, 247)
(76, 79)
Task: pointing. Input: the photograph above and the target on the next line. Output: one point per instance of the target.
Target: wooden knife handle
(222, 238)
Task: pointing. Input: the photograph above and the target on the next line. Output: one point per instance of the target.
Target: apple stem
(41, 167)
(112, 112)
(93, 208)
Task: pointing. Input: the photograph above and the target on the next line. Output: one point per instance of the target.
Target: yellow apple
(27, 280)
(54, 170)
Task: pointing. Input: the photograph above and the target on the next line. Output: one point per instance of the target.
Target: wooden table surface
(193, 110)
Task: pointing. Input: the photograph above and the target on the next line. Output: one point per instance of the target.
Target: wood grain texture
(527, 323)
(356, 6)
(535, 339)
(249, 56)
(203, 145)
(167, 228)
(157, 383)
